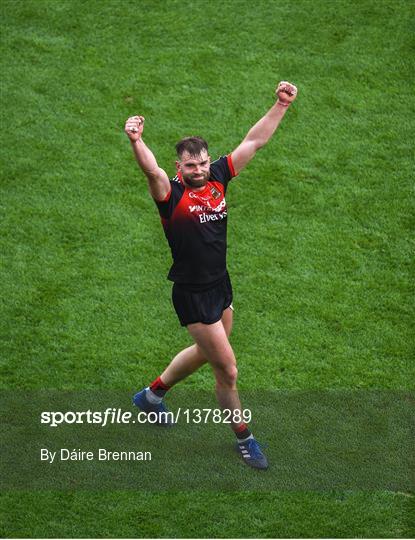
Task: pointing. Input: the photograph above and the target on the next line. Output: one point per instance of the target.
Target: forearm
(145, 158)
(263, 130)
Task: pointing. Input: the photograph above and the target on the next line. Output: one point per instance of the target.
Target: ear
(177, 166)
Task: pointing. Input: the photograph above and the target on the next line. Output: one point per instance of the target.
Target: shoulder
(222, 169)
(175, 180)
(167, 205)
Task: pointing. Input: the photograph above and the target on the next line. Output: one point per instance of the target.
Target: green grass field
(320, 232)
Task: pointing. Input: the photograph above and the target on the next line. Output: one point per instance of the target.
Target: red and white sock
(243, 433)
(156, 391)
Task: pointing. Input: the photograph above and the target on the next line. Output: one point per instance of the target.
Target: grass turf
(320, 241)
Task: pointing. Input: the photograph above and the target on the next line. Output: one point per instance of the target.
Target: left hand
(286, 92)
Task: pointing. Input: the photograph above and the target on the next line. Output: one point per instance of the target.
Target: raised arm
(263, 130)
(158, 181)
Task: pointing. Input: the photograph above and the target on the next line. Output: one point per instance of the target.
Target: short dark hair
(194, 146)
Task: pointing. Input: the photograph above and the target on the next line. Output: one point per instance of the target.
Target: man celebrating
(193, 212)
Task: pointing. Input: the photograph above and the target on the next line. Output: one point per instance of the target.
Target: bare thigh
(212, 340)
(227, 320)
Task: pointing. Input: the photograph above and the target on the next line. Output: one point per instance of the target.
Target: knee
(227, 375)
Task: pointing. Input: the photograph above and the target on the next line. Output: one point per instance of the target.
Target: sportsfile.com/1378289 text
(112, 415)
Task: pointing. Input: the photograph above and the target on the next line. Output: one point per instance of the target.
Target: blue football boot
(164, 417)
(252, 454)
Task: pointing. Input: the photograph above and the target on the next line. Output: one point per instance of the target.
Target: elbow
(256, 143)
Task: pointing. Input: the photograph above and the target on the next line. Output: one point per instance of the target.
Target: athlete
(193, 212)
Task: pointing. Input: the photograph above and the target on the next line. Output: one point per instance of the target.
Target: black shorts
(194, 305)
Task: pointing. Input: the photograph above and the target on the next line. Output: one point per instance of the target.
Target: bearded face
(195, 169)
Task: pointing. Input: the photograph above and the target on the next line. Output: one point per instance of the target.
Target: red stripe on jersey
(167, 197)
(230, 165)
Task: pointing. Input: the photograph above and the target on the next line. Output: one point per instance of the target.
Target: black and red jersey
(195, 223)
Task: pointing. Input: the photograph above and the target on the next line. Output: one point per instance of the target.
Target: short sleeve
(222, 170)
(167, 206)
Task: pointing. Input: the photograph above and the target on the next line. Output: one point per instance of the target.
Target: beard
(196, 180)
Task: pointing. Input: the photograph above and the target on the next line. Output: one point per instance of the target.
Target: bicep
(159, 185)
(243, 154)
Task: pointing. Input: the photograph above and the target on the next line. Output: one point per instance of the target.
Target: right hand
(286, 93)
(134, 127)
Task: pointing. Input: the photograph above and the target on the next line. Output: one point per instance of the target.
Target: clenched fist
(286, 93)
(134, 127)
